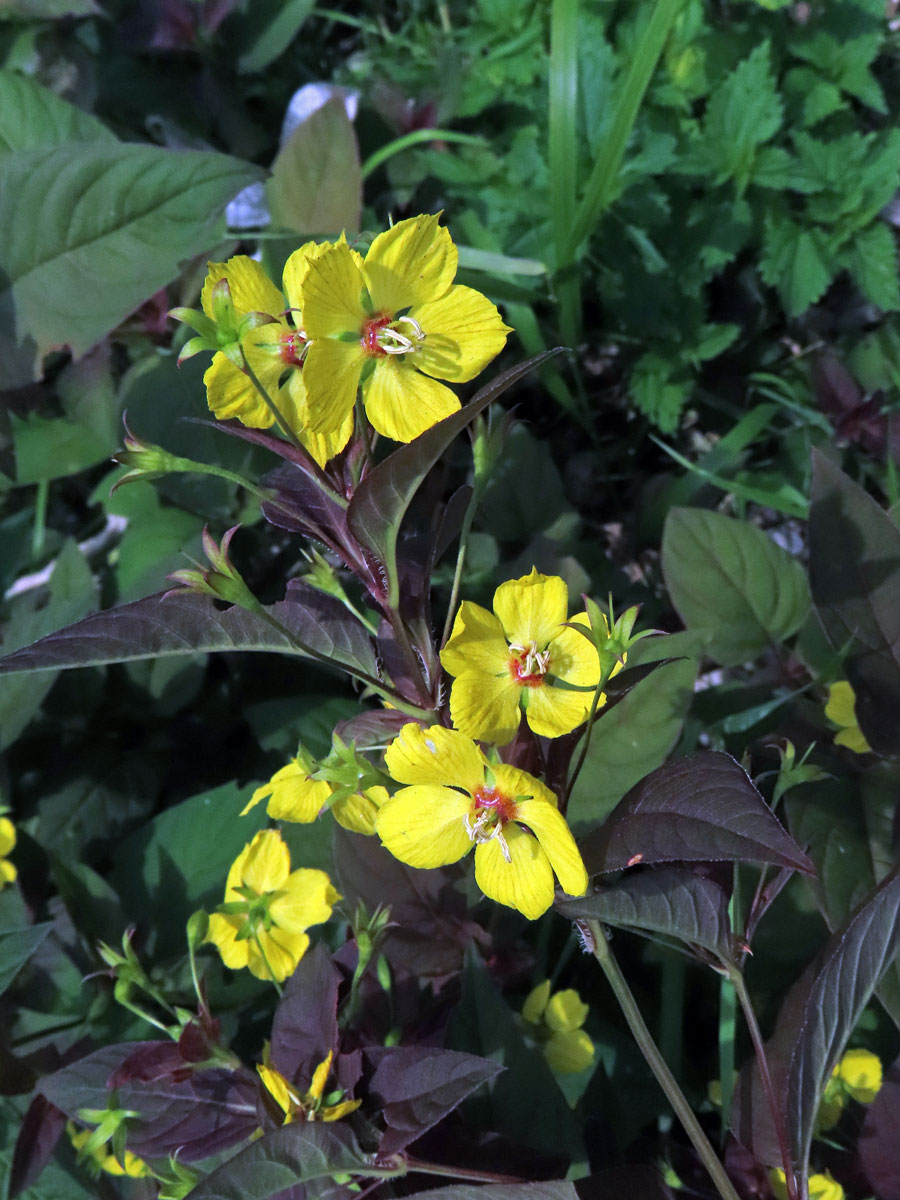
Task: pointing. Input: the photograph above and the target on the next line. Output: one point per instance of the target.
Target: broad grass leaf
(854, 568)
(16, 947)
(631, 740)
(699, 809)
(316, 183)
(292, 1155)
(381, 500)
(670, 901)
(731, 582)
(31, 115)
(91, 230)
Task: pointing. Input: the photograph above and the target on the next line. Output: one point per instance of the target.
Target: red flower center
(490, 799)
(528, 665)
(293, 347)
(368, 337)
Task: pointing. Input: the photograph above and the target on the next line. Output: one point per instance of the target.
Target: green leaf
(316, 184)
(631, 740)
(729, 580)
(854, 567)
(16, 947)
(32, 115)
(743, 112)
(660, 388)
(279, 24)
(381, 500)
(90, 231)
(871, 259)
(670, 901)
(286, 1158)
(794, 261)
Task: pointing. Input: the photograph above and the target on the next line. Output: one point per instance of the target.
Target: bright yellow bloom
(556, 1023)
(457, 800)
(841, 708)
(8, 872)
(295, 796)
(267, 909)
(520, 657)
(821, 1187)
(306, 1106)
(860, 1073)
(394, 322)
(103, 1159)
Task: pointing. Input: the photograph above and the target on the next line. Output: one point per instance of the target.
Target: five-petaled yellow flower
(294, 795)
(395, 323)
(267, 909)
(820, 1187)
(522, 656)
(841, 708)
(304, 1106)
(456, 800)
(556, 1022)
(8, 872)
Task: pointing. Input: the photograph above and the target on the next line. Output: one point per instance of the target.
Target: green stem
(415, 138)
(656, 1062)
(265, 959)
(39, 529)
(727, 1022)
(471, 509)
(428, 1168)
(271, 406)
(562, 155)
(586, 741)
(604, 177)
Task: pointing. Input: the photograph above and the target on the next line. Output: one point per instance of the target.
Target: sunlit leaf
(316, 184)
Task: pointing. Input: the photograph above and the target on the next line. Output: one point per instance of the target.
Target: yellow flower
(841, 708)
(358, 811)
(821, 1187)
(457, 800)
(103, 1159)
(556, 1022)
(306, 1106)
(395, 323)
(860, 1073)
(267, 909)
(295, 796)
(521, 656)
(8, 872)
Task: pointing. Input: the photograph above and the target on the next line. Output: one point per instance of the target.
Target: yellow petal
(357, 812)
(331, 293)
(463, 332)
(552, 711)
(424, 825)
(295, 272)
(334, 1112)
(566, 1011)
(536, 1002)
(513, 782)
(299, 800)
(251, 288)
(824, 1187)
(413, 262)
(476, 643)
(229, 393)
(267, 863)
(861, 1073)
(307, 898)
(8, 872)
(525, 883)
(532, 609)
(293, 404)
(573, 658)
(7, 836)
(268, 350)
(331, 377)
(555, 837)
(854, 739)
(222, 933)
(570, 1052)
(277, 954)
(435, 756)
(401, 402)
(486, 707)
(320, 1077)
(276, 1085)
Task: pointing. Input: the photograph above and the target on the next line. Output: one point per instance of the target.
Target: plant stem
(727, 1007)
(562, 156)
(39, 529)
(428, 1168)
(471, 509)
(415, 138)
(656, 1062)
(272, 406)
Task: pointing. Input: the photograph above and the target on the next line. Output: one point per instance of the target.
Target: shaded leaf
(729, 580)
(879, 1138)
(304, 1029)
(701, 808)
(16, 947)
(71, 267)
(673, 902)
(854, 567)
(38, 1136)
(418, 1085)
(291, 1155)
(372, 730)
(276, 34)
(554, 1189)
(381, 500)
(316, 183)
(32, 115)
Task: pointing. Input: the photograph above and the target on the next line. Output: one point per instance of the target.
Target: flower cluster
(311, 1105)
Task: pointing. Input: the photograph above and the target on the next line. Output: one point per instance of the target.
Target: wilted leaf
(730, 581)
(32, 115)
(316, 184)
(673, 902)
(854, 568)
(698, 809)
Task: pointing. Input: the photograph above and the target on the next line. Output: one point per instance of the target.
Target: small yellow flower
(556, 1022)
(306, 1106)
(821, 1187)
(295, 796)
(103, 1159)
(841, 708)
(860, 1073)
(520, 657)
(8, 872)
(395, 323)
(457, 800)
(267, 909)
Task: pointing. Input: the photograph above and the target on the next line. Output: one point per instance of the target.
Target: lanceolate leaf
(697, 809)
(854, 567)
(311, 624)
(32, 115)
(671, 901)
(381, 500)
(91, 230)
(293, 1154)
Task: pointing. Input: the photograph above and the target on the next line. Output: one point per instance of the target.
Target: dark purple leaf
(210, 1111)
(372, 730)
(854, 566)
(151, 1061)
(554, 1189)
(381, 500)
(671, 901)
(304, 1029)
(292, 1155)
(635, 1182)
(315, 625)
(696, 809)
(41, 1129)
(879, 1139)
(418, 1085)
